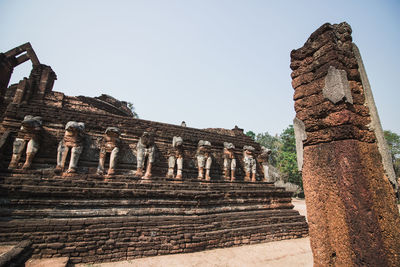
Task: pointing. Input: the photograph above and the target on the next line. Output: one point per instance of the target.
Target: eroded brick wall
(89, 219)
(92, 219)
(6, 70)
(55, 116)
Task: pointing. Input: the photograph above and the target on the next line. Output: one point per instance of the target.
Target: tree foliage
(287, 159)
(283, 153)
(393, 141)
(251, 134)
(132, 108)
(288, 140)
(271, 142)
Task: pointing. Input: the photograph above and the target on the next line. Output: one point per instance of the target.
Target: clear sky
(212, 63)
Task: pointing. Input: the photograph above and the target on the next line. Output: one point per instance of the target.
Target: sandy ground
(4, 249)
(53, 262)
(295, 252)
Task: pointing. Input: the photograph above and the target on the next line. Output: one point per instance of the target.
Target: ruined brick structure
(92, 218)
(349, 187)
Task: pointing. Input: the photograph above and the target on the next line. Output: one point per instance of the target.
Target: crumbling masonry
(347, 174)
(92, 209)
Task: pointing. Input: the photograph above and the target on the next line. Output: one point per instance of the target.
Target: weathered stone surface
(109, 143)
(350, 202)
(73, 140)
(88, 218)
(249, 162)
(301, 135)
(348, 205)
(375, 123)
(263, 160)
(28, 136)
(126, 215)
(337, 86)
(229, 161)
(17, 255)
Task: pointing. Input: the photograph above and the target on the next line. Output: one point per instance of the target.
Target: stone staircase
(90, 219)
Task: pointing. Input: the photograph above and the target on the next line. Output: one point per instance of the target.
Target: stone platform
(89, 219)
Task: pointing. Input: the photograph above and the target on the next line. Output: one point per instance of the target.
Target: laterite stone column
(349, 187)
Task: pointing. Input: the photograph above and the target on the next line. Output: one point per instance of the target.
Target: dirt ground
(53, 262)
(4, 249)
(295, 252)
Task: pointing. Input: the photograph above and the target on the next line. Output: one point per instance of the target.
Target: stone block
(347, 192)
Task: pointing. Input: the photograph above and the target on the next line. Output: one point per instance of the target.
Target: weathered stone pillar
(6, 69)
(42, 78)
(353, 218)
(23, 91)
(46, 82)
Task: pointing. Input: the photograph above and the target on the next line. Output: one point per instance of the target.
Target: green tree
(271, 142)
(393, 141)
(251, 134)
(288, 140)
(287, 159)
(132, 108)
(283, 153)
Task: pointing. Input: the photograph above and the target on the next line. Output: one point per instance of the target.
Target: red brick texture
(92, 219)
(353, 219)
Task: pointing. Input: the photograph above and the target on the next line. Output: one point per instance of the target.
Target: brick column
(6, 69)
(353, 218)
(23, 91)
(42, 78)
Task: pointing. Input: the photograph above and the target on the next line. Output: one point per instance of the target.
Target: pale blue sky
(212, 63)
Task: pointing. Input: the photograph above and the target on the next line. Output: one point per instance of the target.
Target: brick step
(83, 171)
(32, 211)
(134, 184)
(208, 223)
(136, 226)
(126, 181)
(96, 193)
(156, 184)
(107, 244)
(151, 217)
(90, 219)
(90, 168)
(38, 202)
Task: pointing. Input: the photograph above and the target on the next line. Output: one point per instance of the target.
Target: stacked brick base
(92, 220)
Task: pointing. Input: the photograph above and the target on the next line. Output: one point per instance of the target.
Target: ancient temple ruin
(81, 177)
(348, 176)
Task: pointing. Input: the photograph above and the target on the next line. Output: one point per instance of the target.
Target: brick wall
(92, 219)
(55, 118)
